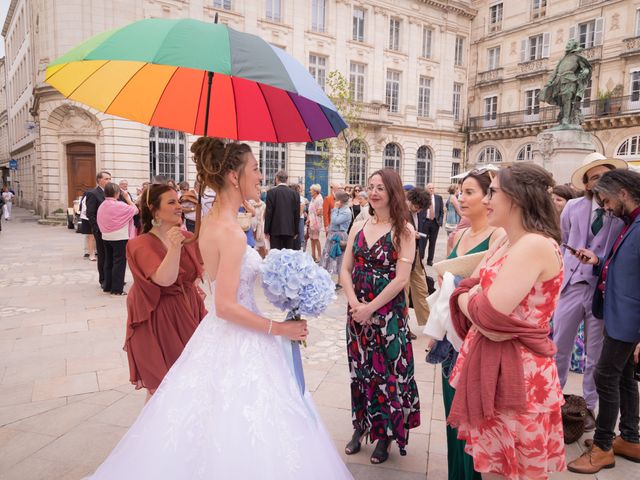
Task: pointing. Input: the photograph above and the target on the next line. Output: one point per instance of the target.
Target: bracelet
(270, 326)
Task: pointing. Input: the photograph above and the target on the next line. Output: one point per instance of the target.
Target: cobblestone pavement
(65, 399)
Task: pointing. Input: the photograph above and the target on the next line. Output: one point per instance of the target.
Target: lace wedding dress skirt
(228, 408)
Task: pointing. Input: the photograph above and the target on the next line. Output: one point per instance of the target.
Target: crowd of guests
(555, 288)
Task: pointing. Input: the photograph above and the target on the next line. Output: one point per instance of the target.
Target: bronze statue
(567, 85)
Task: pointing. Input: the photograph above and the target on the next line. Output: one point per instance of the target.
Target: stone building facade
(516, 45)
(398, 55)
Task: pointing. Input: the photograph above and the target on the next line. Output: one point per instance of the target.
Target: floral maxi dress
(384, 395)
(528, 445)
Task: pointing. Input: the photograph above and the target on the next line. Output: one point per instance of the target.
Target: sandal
(119, 293)
(381, 452)
(353, 446)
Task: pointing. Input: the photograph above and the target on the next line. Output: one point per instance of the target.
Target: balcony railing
(631, 45)
(612, 107)
(490, 76)
(533, 67)
(593, 53)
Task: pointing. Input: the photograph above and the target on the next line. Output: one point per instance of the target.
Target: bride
(230, 406)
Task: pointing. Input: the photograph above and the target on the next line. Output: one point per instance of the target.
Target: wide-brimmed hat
(592, 160)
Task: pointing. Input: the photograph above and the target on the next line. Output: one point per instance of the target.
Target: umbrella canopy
(185, 74)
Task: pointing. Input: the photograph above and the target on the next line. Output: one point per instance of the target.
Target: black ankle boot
(381, 452)
(353, 446)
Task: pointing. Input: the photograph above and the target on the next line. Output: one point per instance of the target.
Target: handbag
(574, 412)
(244, 219)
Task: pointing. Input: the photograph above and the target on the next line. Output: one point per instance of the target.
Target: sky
(4, 5)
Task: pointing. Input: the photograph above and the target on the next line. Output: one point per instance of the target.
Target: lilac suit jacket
(575, 223)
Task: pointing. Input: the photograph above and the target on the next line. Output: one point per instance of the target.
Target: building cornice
(7, 21)
(453, 6)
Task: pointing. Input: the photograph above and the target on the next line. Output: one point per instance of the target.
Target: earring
(156, 223)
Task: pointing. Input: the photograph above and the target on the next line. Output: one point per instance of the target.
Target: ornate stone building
(516, 45)
(406, 59)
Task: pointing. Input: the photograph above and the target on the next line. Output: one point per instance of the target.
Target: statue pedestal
(561, 151)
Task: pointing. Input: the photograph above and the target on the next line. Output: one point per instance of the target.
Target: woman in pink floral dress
(520, 280)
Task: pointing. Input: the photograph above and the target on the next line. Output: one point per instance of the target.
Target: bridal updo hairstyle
(528, 186)
(149, 202)
(214, 159)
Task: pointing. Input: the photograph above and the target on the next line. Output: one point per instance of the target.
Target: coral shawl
(492, 377)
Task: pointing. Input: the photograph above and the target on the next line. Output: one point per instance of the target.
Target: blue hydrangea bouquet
(293, 282)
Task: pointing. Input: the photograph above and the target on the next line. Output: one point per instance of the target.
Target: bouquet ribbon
(295, 353)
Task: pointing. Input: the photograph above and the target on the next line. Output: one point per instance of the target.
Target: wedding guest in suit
(435, 215)
(94, 198)
(418, 201)
(282, 214)
(115, 219)
(583, 225)
(617, 301)
(164, 305)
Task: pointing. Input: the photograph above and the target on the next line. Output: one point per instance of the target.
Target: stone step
(53, 221)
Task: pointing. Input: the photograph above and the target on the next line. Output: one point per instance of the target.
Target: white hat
(592, 160)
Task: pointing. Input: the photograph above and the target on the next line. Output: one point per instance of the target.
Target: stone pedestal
(561, 151)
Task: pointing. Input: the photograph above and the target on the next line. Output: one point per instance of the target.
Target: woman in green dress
(478, 237)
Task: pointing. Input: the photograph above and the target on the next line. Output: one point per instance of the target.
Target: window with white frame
(459, 51)
(274, 10)
(495, 17)
(318, 15)
(392, 156)
(635, 86)
(525, 154)
(629, 148)
(539, 8)
(392, 97)
(457, 97)
(167, 153)
(222, 4)
(358, 24)
(356, 81)
(427, 41)
(318, 68)
(489, 155)
(532, 102)
(493, 58)
(535, 47)
(588, 34)
(423, 166)
(273, 157)
(394, 34)
(424, 96)
(455, 169)
(586, 98)
(491, 107)
(357, 162)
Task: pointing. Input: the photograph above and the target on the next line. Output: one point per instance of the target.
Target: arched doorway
(81, 169)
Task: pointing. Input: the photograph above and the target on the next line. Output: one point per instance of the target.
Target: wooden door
(81, 169)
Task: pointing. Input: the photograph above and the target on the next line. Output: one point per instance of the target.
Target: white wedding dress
(229, 408)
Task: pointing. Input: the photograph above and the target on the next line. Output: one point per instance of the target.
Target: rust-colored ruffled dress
(160, 320)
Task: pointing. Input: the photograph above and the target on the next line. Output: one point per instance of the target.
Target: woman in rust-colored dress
(164, 305)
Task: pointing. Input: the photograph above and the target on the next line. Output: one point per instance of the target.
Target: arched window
(167, 153)
(525, 154)
(392, 156)
(357, 163)
(630, 148)
(423, 166)
(489, 155)
(316, 166)
(273, 157)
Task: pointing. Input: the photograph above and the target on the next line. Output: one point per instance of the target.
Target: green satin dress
(460, 464)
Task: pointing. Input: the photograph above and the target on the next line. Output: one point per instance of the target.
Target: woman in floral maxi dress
(384, 395)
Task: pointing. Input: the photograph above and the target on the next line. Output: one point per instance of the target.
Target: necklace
(375, 220)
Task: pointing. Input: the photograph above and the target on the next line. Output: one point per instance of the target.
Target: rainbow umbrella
(197, 77)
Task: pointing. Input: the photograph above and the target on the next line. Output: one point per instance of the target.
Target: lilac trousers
(573, 307)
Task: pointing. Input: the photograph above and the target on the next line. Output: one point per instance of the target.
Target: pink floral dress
(523, 446)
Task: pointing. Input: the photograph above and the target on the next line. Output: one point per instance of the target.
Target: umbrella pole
(206, 111)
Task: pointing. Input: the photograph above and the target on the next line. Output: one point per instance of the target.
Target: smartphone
(570, 248)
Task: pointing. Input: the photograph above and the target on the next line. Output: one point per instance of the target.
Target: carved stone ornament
(77, 120)
(546, 145)
(514, 48)
(615, 21)
(560, 36)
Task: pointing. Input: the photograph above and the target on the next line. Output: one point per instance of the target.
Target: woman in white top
(115, 219)
(7, 196)
(85, 230)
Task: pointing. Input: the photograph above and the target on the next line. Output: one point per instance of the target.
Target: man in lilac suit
(583, 225)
